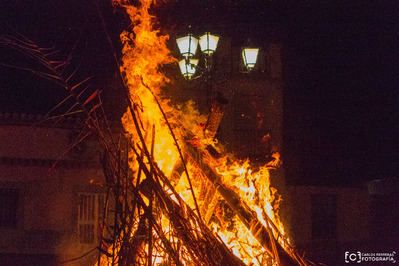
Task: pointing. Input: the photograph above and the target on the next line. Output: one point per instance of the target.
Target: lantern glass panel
(249, 56)
(188, 67)
(208, 43)
(187, 45)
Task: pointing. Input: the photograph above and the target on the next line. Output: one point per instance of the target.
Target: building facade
(327, 221)
(51, 192)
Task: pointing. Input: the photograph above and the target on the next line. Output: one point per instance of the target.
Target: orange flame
(144, 53)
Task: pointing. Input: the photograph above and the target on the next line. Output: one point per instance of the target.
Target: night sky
(342, 90)
(340, 72)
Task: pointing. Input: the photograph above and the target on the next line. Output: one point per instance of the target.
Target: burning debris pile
(175, 197)
(178, 198)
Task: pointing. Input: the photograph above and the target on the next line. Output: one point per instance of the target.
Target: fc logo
(353, 257)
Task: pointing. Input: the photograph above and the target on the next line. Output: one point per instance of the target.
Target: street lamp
(208, 43)
(187, 45)
(188, 67)
(191, 69)
(249, 57)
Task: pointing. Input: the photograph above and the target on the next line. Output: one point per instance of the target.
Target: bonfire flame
(144, 53)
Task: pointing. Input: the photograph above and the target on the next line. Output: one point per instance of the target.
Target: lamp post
(208, 43)
(191, 69)
(194, 65)
(188, 47)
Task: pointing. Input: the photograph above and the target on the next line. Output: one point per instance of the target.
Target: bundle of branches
(137, 233)
(138, 230)
(147, 220)
(144, 52)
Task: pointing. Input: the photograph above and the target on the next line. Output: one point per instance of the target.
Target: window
(324, 216)
(8, 207)
(90, 213)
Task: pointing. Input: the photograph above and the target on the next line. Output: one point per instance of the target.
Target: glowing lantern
(187, 45)
(249, 56)
(208, 43)
(188, 67)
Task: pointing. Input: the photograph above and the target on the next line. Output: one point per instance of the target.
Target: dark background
(341, 100)
(340, 71)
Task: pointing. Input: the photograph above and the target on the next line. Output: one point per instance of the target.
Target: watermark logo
(360, 257)
(353, 256)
